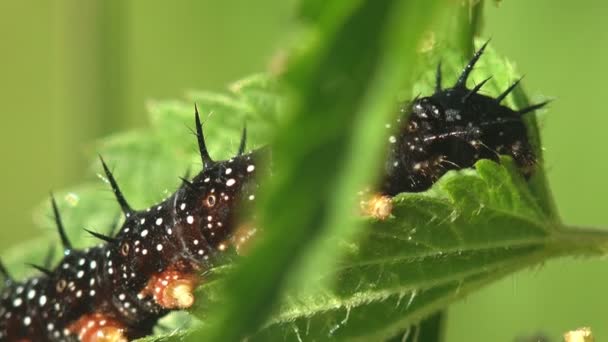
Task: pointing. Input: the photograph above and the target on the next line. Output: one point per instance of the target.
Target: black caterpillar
(117, 291)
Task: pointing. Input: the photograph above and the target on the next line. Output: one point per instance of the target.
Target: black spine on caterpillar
(451, 130)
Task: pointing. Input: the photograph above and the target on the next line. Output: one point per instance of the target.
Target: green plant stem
(581, 241)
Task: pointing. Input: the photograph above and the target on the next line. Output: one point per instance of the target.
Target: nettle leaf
(471, 228)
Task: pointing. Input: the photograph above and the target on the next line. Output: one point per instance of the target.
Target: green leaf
(471, 228)
(342, 95)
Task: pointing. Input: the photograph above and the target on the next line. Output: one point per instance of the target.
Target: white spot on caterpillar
(230, 182)
(251, 197)
(144, 233)
(250, 168)
(42, 300)
(159, 221)
(228, 171)
(182, 206)
(142, 221)
(159, 247)
(80, 274)
(17, 302)
(31, 294)
(27, 320)
(93, 264)
(190, 219)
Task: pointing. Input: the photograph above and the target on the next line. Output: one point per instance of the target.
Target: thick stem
(578, 241)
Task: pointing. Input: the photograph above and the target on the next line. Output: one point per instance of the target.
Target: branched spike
(462, 80)
(4, 272)
(124, 205)
(41, 269)
(205, 157)
(67, 245)
(243, 143)
(532, 108)
(504, 94)
(438, 78)
(100, 236)
(187, 183)
(475, 89)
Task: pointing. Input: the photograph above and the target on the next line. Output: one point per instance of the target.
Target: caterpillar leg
(377, 206)
(171, 289)
(98, 327)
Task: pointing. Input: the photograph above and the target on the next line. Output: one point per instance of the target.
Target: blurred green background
(74, 71)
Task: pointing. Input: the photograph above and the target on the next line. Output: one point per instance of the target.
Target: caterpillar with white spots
(118, 290)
